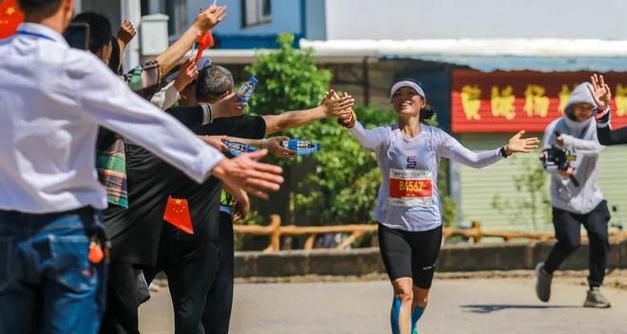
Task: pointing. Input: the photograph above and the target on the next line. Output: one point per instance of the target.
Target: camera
(557, 158)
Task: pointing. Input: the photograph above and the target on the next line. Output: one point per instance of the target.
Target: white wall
(413, 19)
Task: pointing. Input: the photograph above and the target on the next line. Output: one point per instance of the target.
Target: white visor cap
(407, 83)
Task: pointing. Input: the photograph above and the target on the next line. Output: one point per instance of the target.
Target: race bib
(411, 187)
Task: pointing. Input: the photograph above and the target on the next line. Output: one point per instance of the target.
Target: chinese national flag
(10, 17)
(177, 214)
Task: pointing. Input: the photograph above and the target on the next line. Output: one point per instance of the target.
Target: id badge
(409, 187)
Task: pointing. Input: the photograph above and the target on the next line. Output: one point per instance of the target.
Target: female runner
(408, 204)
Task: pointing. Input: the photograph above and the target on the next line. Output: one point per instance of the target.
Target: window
(256, 12)
(177, 11)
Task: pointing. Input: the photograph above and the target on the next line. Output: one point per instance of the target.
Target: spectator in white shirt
(52, 100)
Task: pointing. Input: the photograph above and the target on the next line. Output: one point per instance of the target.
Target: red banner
(512, 101)
(10, 17)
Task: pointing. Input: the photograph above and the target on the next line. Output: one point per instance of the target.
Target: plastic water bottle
(302, 147)
(245, 92)
(235, 148)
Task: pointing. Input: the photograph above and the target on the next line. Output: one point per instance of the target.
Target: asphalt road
(465, 306)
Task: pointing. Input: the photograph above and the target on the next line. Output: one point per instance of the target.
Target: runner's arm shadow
(489, 308)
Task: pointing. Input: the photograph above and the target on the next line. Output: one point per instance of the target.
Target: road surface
(465, 306)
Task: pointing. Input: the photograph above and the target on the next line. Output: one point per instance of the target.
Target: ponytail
(426, 113)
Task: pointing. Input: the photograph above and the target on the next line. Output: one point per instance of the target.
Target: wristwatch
(504, 152)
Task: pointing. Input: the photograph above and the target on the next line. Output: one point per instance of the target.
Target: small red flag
(177, 214)
(205, 41)
(10, 17)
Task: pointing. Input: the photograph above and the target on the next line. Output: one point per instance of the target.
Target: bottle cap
(253, 80)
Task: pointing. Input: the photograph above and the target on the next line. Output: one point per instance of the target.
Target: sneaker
(543, 283)
(596, 299)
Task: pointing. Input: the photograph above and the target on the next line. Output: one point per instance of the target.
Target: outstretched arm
(369, 139)
(330, 107)
(455, 151)
(610, 137)
(274, 145)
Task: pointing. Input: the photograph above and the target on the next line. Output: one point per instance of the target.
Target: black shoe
(543, 283)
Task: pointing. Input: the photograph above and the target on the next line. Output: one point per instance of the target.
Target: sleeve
(257, 126)
(111, 104)
(609, 137)
(370, 139)
(166, 97)
(190, 117)
(584, 146)
(548, 140)
(450, 148)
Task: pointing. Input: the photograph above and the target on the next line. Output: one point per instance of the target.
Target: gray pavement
(462, 306)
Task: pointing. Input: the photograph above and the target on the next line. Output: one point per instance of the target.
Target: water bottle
(245, 92)
(302, 147)
(235, 148)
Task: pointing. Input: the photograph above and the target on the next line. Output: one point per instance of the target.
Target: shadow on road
(489, 308)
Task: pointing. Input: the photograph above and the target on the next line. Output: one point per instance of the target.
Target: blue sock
(415, 316)
(396, 311)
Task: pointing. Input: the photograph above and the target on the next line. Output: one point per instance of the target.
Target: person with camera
(575, 194)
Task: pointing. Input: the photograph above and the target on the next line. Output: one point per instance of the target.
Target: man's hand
(244, 172)
(127, 32)
(228, 106)
(210, 18)
(275, 147)
(216, 142)
(187, 74)
(335, 106)
(600, 92)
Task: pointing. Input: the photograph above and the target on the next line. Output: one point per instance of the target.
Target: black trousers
(217, 314)
(190, 265)
(568, 233)
(126, 290)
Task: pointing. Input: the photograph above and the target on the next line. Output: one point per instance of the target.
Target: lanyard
(27, 33)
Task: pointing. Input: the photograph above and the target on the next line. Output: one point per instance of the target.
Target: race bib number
(411, 187)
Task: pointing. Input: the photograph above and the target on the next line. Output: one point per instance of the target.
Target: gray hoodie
(581, 139)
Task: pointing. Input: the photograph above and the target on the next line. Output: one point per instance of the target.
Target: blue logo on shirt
(411, 162)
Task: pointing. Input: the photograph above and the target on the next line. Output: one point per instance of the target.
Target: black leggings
(568, 234)
(410, 254)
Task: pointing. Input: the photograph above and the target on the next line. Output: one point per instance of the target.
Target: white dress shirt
(52, 100)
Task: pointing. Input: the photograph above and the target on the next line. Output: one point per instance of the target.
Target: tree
(343, 187)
